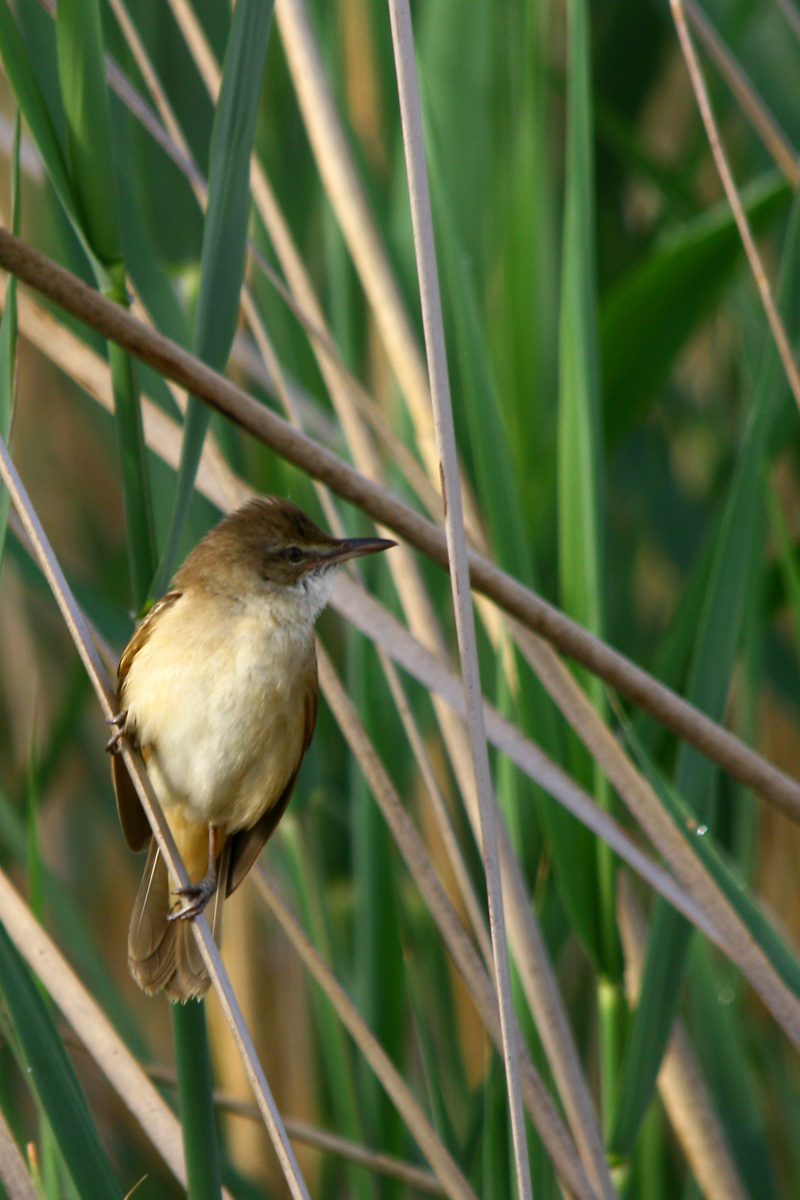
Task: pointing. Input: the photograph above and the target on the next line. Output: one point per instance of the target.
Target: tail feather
(163, 955)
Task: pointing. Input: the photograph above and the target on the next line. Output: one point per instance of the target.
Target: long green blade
(54, 1080)
(84, 94)
(736, 565)
(37, 117)
(650, 313)
(224, 235)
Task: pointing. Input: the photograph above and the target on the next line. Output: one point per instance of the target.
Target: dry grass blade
(452, 931)
(93, 1029)
(13, 1172)
(643, 803)
(680, 1081)
(347, 197)
(322, 1139)
(439, 805)
(206, 944)
(171, 360)
(303, 303)
(419, 1126)
(792, 15)
(720, 158)
(422, 220)
(367, 614)
(752, 104)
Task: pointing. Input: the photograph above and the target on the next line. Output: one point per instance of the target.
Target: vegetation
(629, 451)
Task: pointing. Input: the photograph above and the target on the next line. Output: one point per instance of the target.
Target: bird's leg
(112, 745)
(199, 894)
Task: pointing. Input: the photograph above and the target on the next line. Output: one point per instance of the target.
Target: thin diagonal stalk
(723, 167)
(93, 1029)
(439, 806)
(79, 632)
(643, 803)
(344, 190)
(439, 1158)
(680, 1081)
(792, 15)
(752, 104)
(451, 929)
(14, 1174)
(717, 743)
(305, 307)
(411, 115)
(321, 1139)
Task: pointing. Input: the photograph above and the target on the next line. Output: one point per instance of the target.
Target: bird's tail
(163, 955)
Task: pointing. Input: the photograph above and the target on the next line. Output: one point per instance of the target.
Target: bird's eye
(294, 554)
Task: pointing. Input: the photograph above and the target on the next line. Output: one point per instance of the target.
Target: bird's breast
(221, 702)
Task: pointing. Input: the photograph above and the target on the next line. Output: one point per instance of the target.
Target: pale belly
(223, 717)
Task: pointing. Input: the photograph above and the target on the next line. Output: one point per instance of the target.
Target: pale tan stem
(681, 1084)
(720, 158)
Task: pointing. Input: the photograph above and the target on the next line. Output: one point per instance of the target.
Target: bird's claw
(198, 895)
(113, 743)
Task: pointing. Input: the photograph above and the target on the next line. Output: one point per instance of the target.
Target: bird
(217, 689)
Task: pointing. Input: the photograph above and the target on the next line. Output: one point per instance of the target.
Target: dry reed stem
(433, 324)
(79, 632)
(644, 805)
(790, 12)
(720, 158)
(681, 1084)
(450, 927)
(349, 202)
(70, 293)
(93, 1029)
(439, 805)
(13, 1172)
(418, 1125)
(752, 104)
(319, 1139)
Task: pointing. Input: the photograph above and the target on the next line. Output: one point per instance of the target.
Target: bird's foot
(198, 896)
(112, 746)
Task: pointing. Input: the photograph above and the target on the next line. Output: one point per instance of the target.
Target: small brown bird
(218, 689)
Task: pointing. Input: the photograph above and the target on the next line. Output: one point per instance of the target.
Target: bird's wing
(132, 816)
(247, 844)
(141, 635)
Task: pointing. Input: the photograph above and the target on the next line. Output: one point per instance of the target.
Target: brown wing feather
(132, 817)
(247, 844)
(141, 635)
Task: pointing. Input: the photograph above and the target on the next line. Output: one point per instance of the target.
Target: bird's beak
(352, 548)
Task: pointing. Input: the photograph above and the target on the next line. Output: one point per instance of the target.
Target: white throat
(318, 587)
